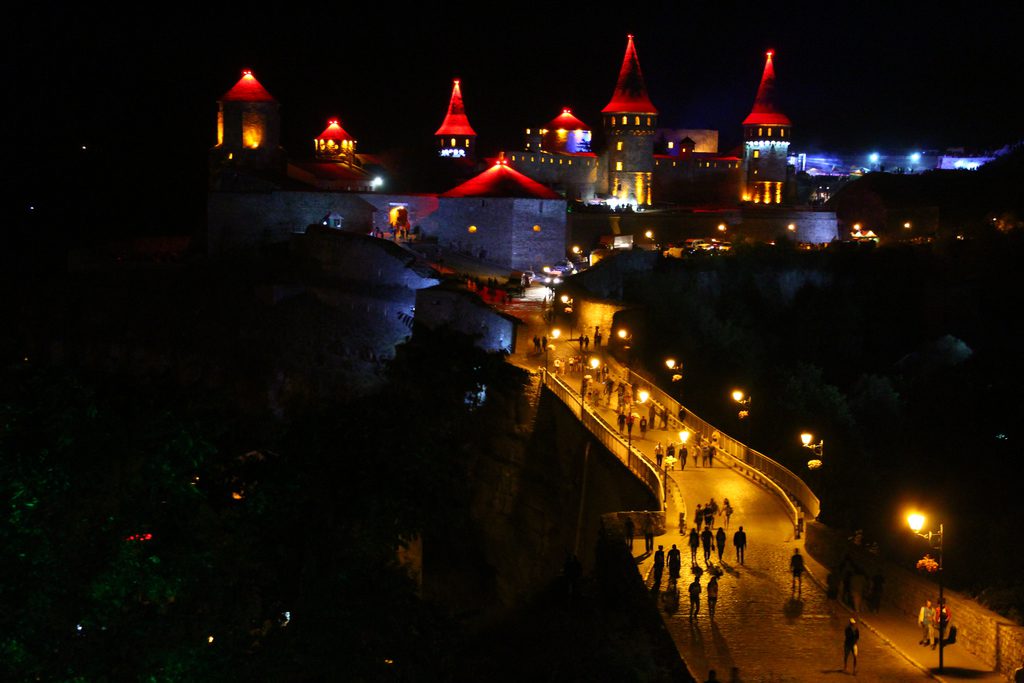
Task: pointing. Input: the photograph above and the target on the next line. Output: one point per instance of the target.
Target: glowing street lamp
(643, 395)
(721, 227)
(907, 225)
(743, 400)
(576, 249)
(623, 333)
(935, 540)
(649, 234)
(595, 363)
(670, 363)
(556, 333)
(817, 448)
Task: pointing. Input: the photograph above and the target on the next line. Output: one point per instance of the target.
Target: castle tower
(248, 128)
(456, 138)
(629, 121)
(766, 136)
(335, 144)
(566, 133)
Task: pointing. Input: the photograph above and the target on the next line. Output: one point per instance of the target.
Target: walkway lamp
(743, 400)
(935, 540)
(595, 363)
(670, 363)
(818, 449)
(643, 395)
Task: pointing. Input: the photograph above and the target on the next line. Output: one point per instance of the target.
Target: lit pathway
(761, 627)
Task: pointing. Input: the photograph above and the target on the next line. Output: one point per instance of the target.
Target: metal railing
(795, 492)
(637, 463)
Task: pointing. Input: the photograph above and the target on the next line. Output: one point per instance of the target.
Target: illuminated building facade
(456, 138)
(640, 162)
(248, 129)
(766, 136)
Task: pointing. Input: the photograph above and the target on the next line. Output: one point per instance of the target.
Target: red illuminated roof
(765, 111)
(567, 121)
(334, 131)
(456, 122)
(248, 89)
(501, 180)
(630, 92)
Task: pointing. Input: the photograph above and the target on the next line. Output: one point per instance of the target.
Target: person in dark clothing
(720, 542)
(705, 540)
(648, 534)
(683, 454)
(694, 597)
(659, 564)
(850, 638)
(796, 566)
(674, 563)
(694, 544)
(739, 541)
(630, 530)
(712, 595)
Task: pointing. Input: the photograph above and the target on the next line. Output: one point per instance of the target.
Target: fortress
(513, 212)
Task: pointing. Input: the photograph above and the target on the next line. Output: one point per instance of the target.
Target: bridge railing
(791, 487)
(645, 470)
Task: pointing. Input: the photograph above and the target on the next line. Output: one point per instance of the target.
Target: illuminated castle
(456, 138)
(641, 162)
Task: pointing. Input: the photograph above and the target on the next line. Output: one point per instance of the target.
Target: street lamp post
(744, 400)
(916, 522)
(817, 448)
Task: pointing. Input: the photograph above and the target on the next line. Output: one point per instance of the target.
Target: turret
(335, 144)
(630, 120)
(566, 133)
(248, 128)
(456, 138)
(766, 137)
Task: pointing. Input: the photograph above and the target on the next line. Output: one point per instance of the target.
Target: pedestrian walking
(709, 515)
(622, 422)
(648, 534)
(694, 598)
(683, 453)
(659, 565)
(674, 563)
(712, 595)
(630, 419)
(705, 541)
(706, 455)
(739, 541)
(796, 566)
(698, 516)
(695, 543)
(670, 454)
(711, 457)
(597, 338)
(664, 417)
(940, 620)
(643, 427)
(850, 638)
(727, 509)
(630, 530)
(720, 543)
(544, 343)
(924, 622)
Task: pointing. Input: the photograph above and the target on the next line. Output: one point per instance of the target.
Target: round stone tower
(766, 137)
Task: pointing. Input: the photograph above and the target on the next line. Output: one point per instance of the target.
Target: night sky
(852, 76)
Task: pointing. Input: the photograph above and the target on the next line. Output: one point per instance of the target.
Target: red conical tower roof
(248, 89)
(630, 92)
(567, 121)
(456, 122)
(501, 180)
(765, 112)
(334, 131)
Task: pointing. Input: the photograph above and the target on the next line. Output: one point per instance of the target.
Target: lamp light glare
(916, 521)
(556, 333)
(644, 395)
(805, 438)
(595, 363)
(670, 363)
(623, 334)
(737, 395)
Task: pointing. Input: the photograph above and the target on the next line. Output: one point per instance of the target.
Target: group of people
(716, 542)
(933, 619)
(674, 558)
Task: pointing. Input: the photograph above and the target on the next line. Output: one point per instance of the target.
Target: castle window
(453, 142)
(636, 121)
(671, 145)
(757, 153)
(467, 142)
(760, 132)
(536, 228)
(618, 165)
(513, 157)
(648, 120)
(782, 132)
(472, 229)
(527, 145)
(570, 162)
(531, 160)
(624, 120)
(769, 132)
(527, 131)
(673, 164)
(618, 146)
